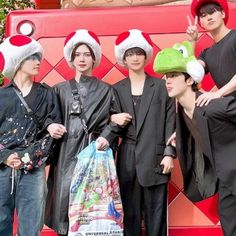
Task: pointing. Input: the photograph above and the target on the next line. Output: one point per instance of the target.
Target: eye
(183, 50)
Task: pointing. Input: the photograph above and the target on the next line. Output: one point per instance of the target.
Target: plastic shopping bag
(95, 205)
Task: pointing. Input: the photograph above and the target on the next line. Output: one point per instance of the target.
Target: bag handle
(29, 110)
(76, 97)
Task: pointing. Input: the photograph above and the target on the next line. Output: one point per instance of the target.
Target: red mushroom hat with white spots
(82, 36)
(131, 39)
(14, 50)
(196, 5)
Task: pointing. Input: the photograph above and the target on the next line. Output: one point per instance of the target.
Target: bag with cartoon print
(95, 204)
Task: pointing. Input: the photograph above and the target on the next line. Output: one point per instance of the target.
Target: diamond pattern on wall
(209, 208)
(113, 76)
(64, 70)
(173, 192)
(183, 213)
(45, 68)
(53, 52)
(53, 78)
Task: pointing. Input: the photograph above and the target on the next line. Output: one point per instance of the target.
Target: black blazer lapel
(147, 95)
(126, 94)
(202, 125)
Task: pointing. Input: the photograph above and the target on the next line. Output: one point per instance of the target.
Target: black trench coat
(99, 103)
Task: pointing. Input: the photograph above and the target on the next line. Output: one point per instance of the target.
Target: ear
(190, 81)
(223, 14)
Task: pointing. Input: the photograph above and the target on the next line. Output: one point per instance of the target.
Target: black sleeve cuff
(170, 151)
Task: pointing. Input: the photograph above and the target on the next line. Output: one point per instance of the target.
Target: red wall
(166, 25)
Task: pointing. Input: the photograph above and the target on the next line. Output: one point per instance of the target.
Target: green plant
(5, 7)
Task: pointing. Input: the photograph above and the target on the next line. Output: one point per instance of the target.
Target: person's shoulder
(220, 105)
(233, 32)
(43, 85)
(158, 82)
(5, 90)
(61, 85)
(100, 83)
(120, 82)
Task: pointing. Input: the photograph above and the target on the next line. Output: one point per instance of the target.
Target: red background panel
(166, 26)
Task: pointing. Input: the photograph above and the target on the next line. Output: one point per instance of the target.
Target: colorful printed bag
(95, 205)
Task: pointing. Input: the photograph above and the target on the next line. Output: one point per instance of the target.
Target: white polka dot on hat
(14, 50)
(130, 39)
(82, 36)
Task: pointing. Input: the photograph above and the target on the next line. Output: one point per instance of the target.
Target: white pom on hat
(195, 70)
(82, 36)
(130, 39)
(14, 50)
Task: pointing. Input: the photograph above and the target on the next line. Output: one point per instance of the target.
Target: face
(176, 84)
(31, 65)
(211, 19)
(135, 60)
(83, 61)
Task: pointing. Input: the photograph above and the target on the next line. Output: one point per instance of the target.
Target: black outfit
(19, 131)
(25, 133)
(99, 103)
(206, 148)
(220, 59)
(143, 146)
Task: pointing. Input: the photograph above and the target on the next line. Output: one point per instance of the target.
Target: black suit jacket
(149, 132)
(216, 124)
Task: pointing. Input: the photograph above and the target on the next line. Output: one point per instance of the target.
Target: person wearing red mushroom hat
(219, 59)
(87, 104)
(144, 160)
(29, 111)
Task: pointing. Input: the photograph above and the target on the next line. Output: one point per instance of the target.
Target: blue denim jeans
(28, 198)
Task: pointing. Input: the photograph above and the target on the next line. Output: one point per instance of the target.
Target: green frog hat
(179, 58)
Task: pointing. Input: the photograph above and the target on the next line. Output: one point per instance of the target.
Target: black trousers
(227, 210)
(147, 203)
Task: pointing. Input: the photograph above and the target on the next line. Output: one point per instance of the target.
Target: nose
(134, 57)
(81, 57)
(37, 61)
(209, 17)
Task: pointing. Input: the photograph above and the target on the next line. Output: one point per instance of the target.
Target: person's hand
(168, 164)
(206, 97)
(56, 130)
(102, 144)
(192, 31)
(13, 161)
(121, 119)
(172, 140)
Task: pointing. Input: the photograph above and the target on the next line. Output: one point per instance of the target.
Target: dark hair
(79, 44)
(195, 87)
(35, 56)
(134, 50)
(209, 8)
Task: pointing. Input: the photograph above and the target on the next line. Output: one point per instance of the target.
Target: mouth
(211, 22)
(82, 65)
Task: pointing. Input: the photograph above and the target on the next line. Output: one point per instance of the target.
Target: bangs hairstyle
(78, 45)
(133, 51)
(35, 56)
(209, 8)
(195, 86)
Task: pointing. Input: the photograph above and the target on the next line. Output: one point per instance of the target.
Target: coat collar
(147, 95)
